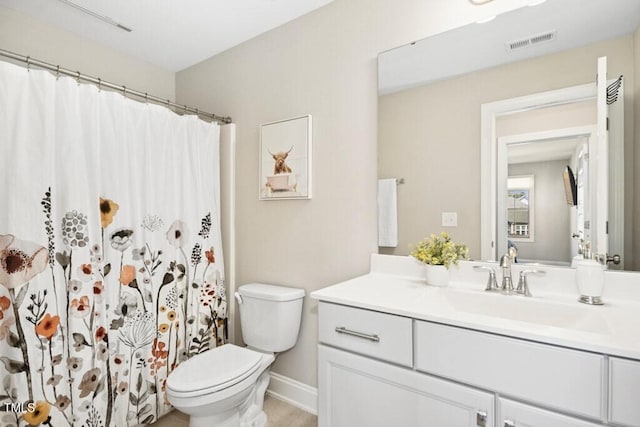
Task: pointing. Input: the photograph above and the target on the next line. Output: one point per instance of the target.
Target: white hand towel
(387, 213)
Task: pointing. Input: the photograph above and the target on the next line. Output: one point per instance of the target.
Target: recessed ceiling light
(96, 15)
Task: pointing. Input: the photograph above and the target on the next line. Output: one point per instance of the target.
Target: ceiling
(477, 46)
(544, 151)
(170, 34)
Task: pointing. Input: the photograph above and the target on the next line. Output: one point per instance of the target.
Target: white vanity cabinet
(396, 351)
(381, 369)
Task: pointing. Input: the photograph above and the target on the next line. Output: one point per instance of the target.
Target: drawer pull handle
(481, 419)
(343, 330)
(509, 423)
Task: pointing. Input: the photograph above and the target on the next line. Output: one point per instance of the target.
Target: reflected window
(520, 210)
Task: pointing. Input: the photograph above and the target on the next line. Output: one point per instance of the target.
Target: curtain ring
(99, 84)
(146, 97)
(124, 91)
(78, 77)
(57, 72)
(28, 63)
(185, 109)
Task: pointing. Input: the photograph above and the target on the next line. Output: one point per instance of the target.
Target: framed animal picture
(285, 159)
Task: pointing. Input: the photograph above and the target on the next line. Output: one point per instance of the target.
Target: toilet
(225, 386)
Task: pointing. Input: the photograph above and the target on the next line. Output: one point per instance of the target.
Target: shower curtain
(110, 251)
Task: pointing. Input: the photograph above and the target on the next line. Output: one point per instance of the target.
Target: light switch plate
(449, 219)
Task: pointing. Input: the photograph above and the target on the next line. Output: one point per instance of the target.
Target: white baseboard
(294, 392)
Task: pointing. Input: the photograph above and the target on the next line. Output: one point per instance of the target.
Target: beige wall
(552, 225)
(430, 135)
(29, 37)
(323, 64)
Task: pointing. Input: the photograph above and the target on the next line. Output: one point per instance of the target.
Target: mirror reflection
(537, 201)
(430, 131)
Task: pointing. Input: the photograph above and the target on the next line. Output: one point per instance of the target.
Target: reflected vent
(531, 41)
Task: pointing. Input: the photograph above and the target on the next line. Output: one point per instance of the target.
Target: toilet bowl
(225, 386)
(212, 386)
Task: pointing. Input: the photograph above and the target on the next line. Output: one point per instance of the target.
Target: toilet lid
(215, 369)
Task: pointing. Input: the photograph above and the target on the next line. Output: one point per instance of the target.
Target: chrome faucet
(523, 286)
(492, 284)
(505, 263)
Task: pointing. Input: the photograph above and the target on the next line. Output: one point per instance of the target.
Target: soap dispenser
(589, 277)
(580, 255)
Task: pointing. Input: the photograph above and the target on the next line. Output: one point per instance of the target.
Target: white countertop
(553, 318)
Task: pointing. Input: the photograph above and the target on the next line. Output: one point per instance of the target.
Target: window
(520, 190)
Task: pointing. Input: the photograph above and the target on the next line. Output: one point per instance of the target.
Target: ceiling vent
(547, 36)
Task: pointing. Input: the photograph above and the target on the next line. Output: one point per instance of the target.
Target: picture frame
(285, 159)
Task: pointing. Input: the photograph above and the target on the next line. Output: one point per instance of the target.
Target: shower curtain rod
(101, 83)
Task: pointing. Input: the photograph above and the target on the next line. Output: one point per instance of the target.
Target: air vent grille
(519, 44)
(547, 36)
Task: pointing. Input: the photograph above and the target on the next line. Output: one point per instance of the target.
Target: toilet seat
(213, 370)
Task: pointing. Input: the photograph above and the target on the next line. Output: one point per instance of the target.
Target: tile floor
(279, 413)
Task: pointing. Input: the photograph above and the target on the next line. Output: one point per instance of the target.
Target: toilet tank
(270, 316)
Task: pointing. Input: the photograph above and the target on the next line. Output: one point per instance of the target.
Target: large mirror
(432, 94)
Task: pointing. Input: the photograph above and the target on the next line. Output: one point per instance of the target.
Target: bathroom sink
(529, 310)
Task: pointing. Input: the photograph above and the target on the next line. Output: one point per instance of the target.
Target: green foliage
(440, 250)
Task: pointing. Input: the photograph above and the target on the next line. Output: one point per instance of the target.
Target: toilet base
(226, 419)
(258, 421)
(249, 414)
(252, 413)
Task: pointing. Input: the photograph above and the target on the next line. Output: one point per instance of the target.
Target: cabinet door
(624, 389)
(514, 414)
(357, 391)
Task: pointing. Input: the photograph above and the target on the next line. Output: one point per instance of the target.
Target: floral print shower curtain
(110, 252)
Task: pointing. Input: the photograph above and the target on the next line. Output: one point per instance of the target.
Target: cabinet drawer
(555, 377)
(520, 415)
(379, 335)
(624, 378)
